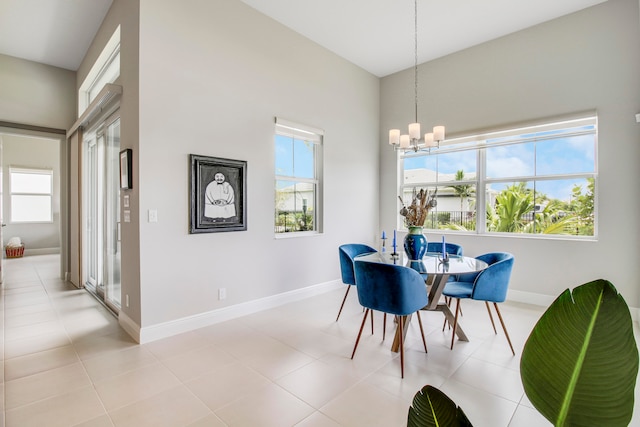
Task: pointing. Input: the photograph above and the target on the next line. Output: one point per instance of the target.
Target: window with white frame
(31, 195)
(105, 70)
(538, 180)
(298, 183)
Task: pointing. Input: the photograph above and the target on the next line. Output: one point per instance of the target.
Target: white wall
(584, 61)
(36, 153)
(213, 75)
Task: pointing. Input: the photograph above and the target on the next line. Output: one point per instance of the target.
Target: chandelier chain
(415, 52)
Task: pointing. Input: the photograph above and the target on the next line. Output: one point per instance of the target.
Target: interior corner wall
(213, 76)
(589, 60)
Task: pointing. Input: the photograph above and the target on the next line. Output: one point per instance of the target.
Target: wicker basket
(14, 252)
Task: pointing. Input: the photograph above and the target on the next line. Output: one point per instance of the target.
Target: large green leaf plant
(578, 367)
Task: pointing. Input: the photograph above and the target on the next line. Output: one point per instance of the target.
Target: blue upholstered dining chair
(393, 289)
(451, 248)
(347, 252)
(488, 285)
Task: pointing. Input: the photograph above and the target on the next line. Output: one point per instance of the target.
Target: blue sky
(560, 155)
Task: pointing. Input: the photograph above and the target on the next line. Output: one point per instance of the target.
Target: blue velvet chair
(451, 248)
(393, 289)
(488, 285)
(347, 252)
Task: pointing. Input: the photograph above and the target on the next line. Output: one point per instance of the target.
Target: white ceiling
(376, 35)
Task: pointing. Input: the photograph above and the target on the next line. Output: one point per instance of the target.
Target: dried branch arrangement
(422, 201)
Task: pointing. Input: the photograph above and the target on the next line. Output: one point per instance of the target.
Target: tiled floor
(67, 363)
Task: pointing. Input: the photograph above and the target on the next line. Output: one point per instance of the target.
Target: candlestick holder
(384, 244)
(444, 258)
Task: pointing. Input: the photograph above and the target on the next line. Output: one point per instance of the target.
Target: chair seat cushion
(458, 289)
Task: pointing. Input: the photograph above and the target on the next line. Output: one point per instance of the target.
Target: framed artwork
(218, 190)
(126, 162)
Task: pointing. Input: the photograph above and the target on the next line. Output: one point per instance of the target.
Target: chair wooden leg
(455, 322)
(384, 326)
(491, 317)
(504, 327)
(343, 300)
(401, 325)
(364, 320)
(371, 322)
(424, 341)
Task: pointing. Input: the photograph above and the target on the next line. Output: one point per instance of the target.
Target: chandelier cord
(415, 51)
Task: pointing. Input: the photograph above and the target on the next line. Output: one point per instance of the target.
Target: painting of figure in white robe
(219, 198)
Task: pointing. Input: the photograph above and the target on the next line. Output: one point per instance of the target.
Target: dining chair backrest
(347, 252)
(451, 248)
(390, 288)
(491, 284)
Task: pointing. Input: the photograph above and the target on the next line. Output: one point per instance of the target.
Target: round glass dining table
(436, 272)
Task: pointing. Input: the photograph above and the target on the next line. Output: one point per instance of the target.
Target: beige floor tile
(527, 417)
(491, 378)
(34, 363)
(27, 309)
(44, 385)
(31, 318)
(270, 406)
(277, 361)
(102, 345)
(136, 385)
(365, 405)
(117, 363)
(317, 419)
(29, 331)
(199, 362)
(63, 410)
(317, 383)
(176, 345)
(208, 421)
(482, 408)
(172, 408)
(226, 385)
(101, 421)
(24, 346)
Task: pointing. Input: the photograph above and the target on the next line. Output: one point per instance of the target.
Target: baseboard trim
(130, 327)
(163, 330)
(41, 251)
(147, 334)
(547, 300)
(530, 298)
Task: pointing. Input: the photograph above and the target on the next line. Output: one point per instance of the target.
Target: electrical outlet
(126, 300)
(153, 215)
(222, 293)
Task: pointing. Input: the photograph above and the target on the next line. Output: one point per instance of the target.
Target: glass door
(101, 212)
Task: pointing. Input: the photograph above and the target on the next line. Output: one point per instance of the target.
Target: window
(539, 180)
(31, 195)
(105, 70)
(298, 195)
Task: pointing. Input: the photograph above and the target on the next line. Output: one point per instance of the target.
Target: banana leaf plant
(578, 367)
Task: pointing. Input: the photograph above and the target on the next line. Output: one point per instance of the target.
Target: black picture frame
(126, 163)
(217, 203)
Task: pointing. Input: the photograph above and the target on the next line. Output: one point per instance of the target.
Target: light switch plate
(127, 216)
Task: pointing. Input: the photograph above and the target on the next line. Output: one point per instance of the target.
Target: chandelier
(413, 140)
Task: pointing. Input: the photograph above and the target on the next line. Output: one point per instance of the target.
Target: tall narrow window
(105, 70)
(31, 195)
(298, 184)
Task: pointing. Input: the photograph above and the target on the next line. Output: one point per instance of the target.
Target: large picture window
(298, 159)
(31, 195)
(539, 180)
